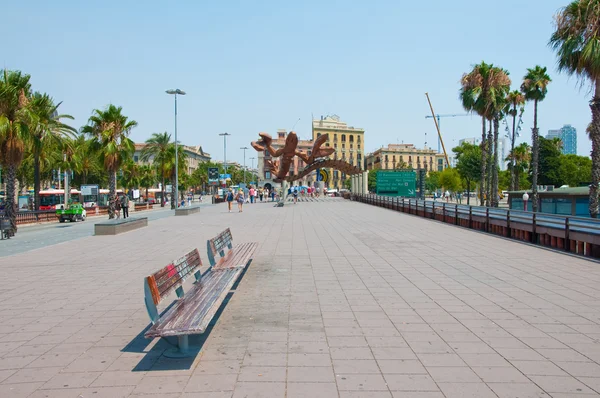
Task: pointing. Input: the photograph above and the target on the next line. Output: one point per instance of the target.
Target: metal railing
(577, 235)
(32, 216)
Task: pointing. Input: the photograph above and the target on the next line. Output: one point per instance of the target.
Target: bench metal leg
(182, 350)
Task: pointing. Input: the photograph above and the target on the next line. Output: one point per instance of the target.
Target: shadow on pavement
(155, 361)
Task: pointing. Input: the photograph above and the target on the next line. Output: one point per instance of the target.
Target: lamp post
(252, 168)
(175, 92)
(525, 199)
(244, 149)
(225, 150)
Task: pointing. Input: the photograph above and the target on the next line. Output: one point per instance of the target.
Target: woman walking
(240, 199)
(229, 198)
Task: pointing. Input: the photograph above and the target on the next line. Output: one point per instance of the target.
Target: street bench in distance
(184, 211)
(237, 256)
(115, 227)
(194, 309)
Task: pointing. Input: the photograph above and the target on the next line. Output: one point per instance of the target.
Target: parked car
(72, 213)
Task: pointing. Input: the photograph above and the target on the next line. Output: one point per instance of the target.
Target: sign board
(397, 183)
(89, 190)
(225, 176)
(213, 175)
(323, 175)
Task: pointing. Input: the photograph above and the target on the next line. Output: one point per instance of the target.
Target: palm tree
(535, 88)
(110, 129)
(157, 150)
(520, 155)
(147, 177)
(480, 93)
(85, 158)
(499, 90)
(46, 127)
(170, 169)
(514, 99)
(575, 41)
(14, 132)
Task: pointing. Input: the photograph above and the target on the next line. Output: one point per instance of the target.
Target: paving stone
(311, 390)
(259, 390)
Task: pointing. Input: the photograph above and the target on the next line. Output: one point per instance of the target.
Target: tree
(514, 99)
(15, 117)
(549, 162)
(157, 151)
(169, 168)
(499, 91)
(372, 179)
(147, 178)
(575, 170)
(347, 184)
(575, 41)
(450, 179)
(46, 127)
(432, 181)
(85, 158)
(482, 91)
(468, 157)
(109, 129)
(522, 156)
(535, 88)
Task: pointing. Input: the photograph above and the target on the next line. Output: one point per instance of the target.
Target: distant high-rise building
(568, 135)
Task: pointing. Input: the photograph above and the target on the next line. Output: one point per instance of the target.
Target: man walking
(125, 205)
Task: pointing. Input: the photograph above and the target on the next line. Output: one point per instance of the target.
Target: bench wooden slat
(192, 313)
(172, 276)
(238, 257)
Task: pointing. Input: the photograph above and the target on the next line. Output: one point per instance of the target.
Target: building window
(318, 135)
(335, 137)
(386, 158)
(267, 175)
(343, 146)
(394, 158)
(358, 146)
(351, 145)
(343, 137)
(358, 138)
(418, 159)
(410, 159)
(136, 158)
(351, 138)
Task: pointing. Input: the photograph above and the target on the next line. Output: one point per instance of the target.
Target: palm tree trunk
(495, 164)
(513, 182)
(468, 192)
(490, 159)
(112, 193)
(162, 193)
(173, 194)
(594, 133)
(36, 181)
(11, 208)
(483, 163)
(535, 155)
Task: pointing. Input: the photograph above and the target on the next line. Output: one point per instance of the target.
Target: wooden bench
(184, 211)
(194, 309)
(237, 256)
(115, 227)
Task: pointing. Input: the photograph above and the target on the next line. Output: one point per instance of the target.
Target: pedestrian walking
(118, 208)
(261, 192)
(240, 199)
(252, 194)
(229, 198)
(295, 195)
(125, 205)
(272, 195)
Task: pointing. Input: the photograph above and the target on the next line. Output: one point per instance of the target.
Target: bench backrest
(218, 244)
(170, 278)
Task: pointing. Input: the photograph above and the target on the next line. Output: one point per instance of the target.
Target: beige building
(265, 173)
(195, 156)
(401, 156)
(349, 144)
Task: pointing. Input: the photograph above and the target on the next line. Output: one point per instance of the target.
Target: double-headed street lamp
(225, 150)
(176, 198)
(244, 149)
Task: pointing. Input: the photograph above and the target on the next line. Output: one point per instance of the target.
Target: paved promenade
(342, 300)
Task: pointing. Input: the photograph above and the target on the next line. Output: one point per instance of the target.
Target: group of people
(240, 197)
(122, 203)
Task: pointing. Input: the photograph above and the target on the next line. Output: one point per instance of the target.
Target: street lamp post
(225, 150)
(244, 149)
(176, 198)
(525, 199)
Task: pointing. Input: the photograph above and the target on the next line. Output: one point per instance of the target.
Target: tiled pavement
(342, 300)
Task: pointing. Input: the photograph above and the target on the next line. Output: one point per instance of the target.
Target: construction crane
(438, 117)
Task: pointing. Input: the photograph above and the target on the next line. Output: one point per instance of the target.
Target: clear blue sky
(259, 66)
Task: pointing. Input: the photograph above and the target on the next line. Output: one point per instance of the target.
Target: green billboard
(397, 183)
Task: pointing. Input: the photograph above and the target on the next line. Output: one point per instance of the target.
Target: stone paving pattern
(341, 300)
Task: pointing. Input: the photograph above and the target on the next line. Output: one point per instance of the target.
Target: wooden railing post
(533, 232)
(567, 237)
(470, 217)
(443, 212)
(433, 210)
(509, 231)
(487, 219)
(456, 214)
